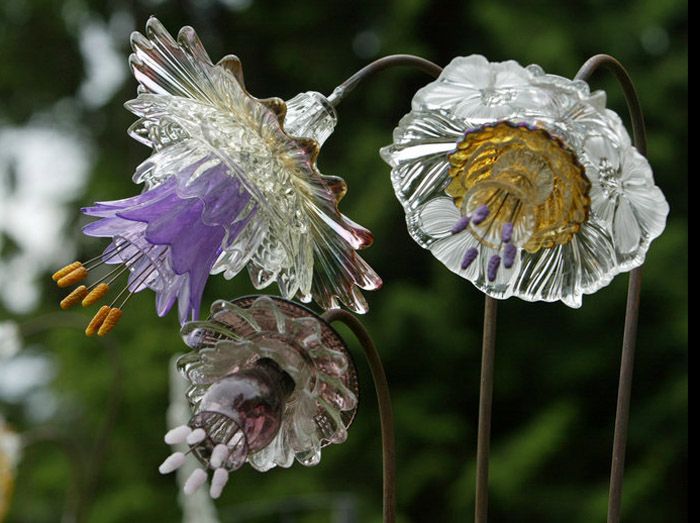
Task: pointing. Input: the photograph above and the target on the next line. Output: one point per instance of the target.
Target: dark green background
(556, 369)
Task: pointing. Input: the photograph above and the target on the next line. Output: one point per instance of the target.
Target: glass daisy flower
(523, 182)
(232, 182)
(270, 383)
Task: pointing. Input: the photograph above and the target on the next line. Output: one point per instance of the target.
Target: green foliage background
(557, 368)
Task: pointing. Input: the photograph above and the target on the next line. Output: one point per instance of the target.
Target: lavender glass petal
(188, 221)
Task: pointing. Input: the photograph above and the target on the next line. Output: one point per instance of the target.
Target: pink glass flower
(270, 383)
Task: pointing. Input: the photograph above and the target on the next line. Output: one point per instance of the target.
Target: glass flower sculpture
(270, 382)
(232, 182)
(523, 182)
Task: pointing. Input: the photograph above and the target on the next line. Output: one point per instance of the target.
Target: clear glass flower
(271, 383)
(232, 182)
(523, 182)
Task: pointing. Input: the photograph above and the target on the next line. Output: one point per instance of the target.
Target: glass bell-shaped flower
(270, 383)
(232, 183)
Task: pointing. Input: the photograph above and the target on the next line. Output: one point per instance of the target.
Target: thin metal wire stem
(629, 340)
(483, 447)
(119, 270)
(340, 92)
(386, 414)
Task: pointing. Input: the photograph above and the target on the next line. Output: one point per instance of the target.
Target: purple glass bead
(509, 253)
(469, 257)
(480, 214)
(507, 232)
(460, 224)
(253, 399)
(494, 264)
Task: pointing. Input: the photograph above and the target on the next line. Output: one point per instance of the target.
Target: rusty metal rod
(483, 449)
(381, 385)
(629, 340)
(386, 414)
(490, 307)
(386, 62)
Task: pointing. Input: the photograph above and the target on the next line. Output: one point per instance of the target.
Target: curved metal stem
(629, 340)
(490, 306)
(386, 414)
(340, 92)
(639, 132)
(483, 449)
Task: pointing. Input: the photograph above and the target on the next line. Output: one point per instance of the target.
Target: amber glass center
(526, 177)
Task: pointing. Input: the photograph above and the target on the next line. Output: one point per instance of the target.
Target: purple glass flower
(232, 183)
(171, 236)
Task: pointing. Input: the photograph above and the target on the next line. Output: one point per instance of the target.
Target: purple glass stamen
(509, 253)
(460, 224)
(494, 264)
(507, 232)
(480, 214)
(469, 257)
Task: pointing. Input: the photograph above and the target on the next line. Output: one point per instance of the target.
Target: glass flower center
(527, 179)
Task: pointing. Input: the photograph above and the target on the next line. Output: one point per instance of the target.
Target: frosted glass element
(271, 376)
(310, 115)
(198, 118)
(547, 160)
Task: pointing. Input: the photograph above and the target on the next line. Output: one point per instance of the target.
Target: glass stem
(340, 92)
(386, 414)
(629, 340)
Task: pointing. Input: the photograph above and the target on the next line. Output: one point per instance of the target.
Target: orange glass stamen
(74, 297)
(72, 277)
(97, 321)
(65, 271)
(95, 294)
(110, 321)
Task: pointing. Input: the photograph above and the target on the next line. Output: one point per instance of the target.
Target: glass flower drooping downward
(523, 182)
(232, 182)
(270, 383)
